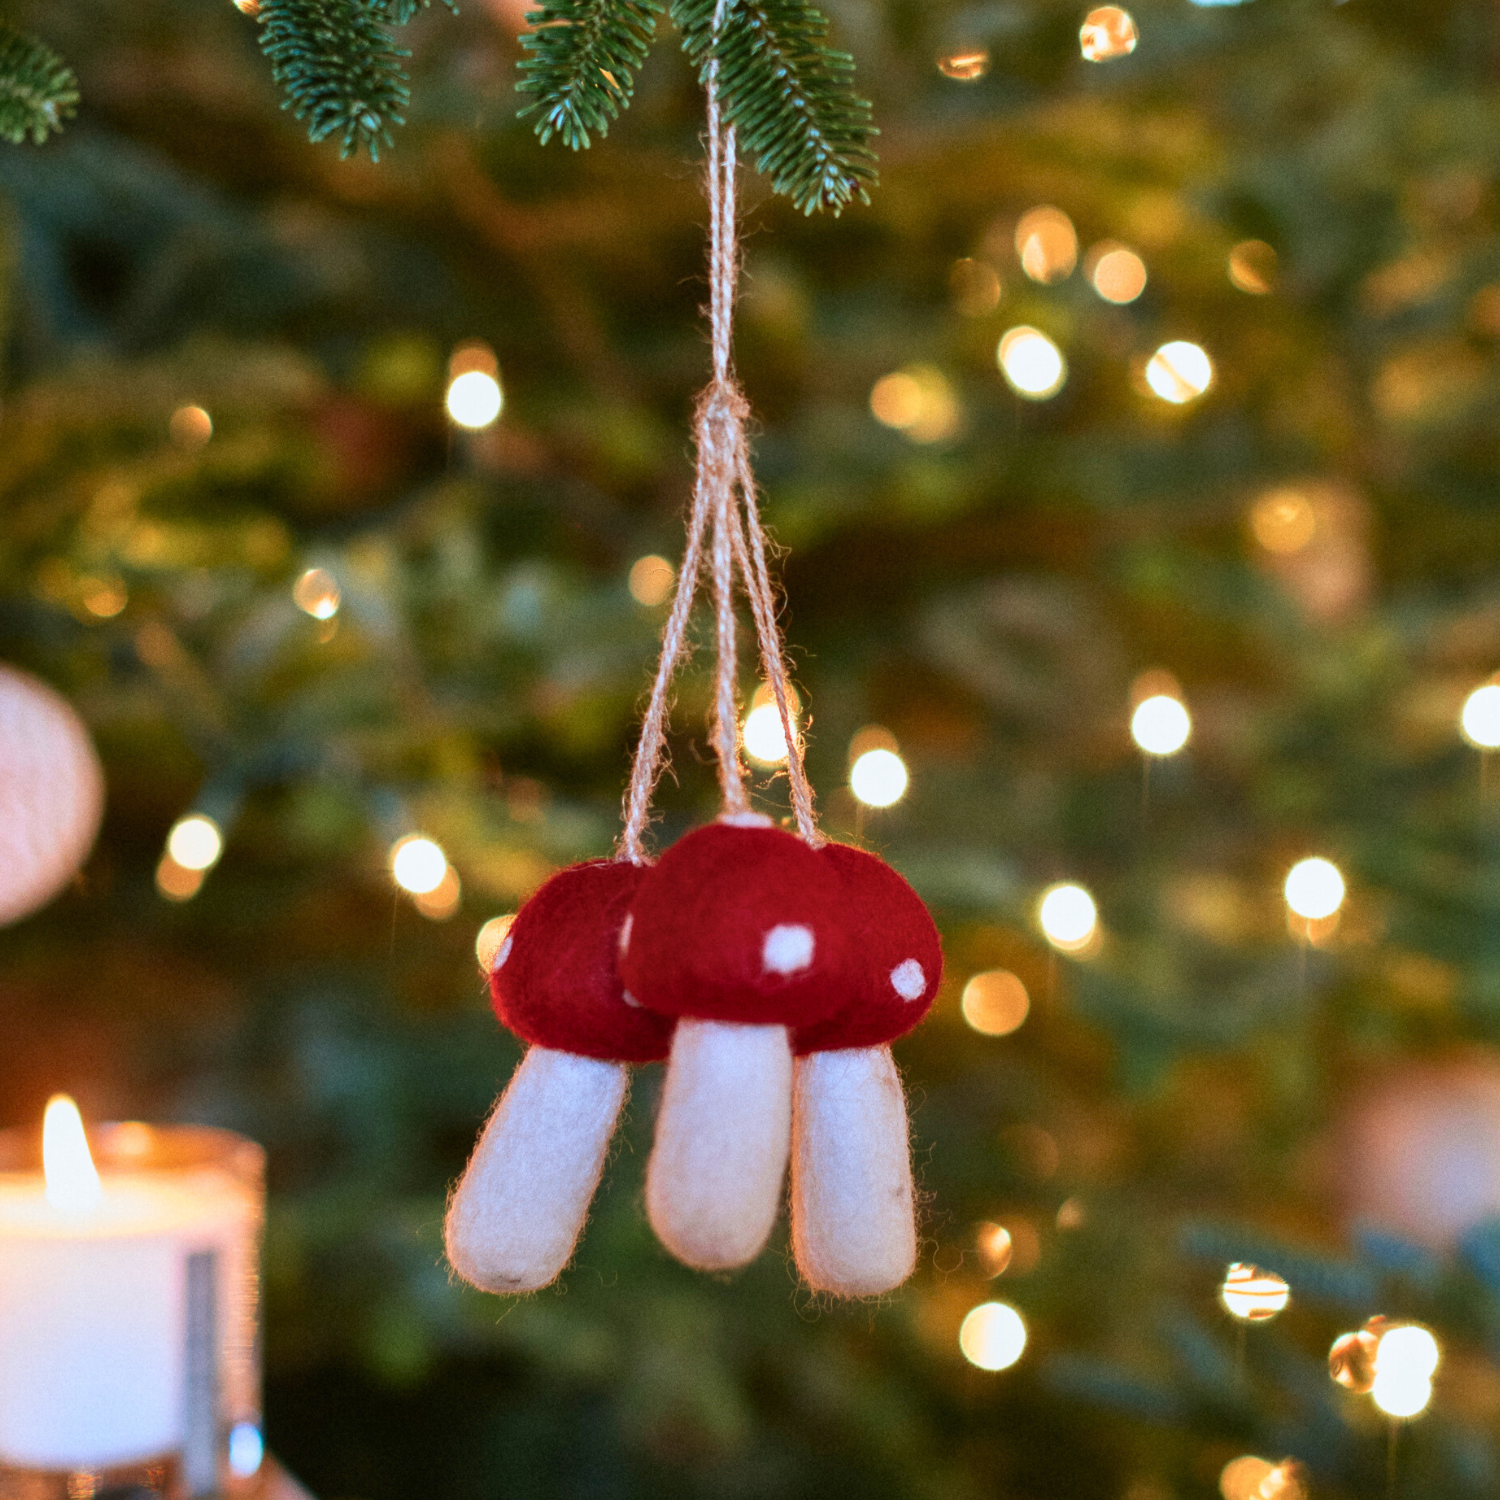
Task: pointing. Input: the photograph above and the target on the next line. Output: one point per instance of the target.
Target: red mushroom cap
(554, 982)
(738, 923)
(895, 958)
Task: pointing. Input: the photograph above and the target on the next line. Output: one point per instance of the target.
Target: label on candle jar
(200, 1447)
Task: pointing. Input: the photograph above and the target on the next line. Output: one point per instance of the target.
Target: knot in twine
(726, 514)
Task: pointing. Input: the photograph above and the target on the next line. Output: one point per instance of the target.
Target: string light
(762, 734)
(491, 939)
(176, 882)
(651, 580)
(1117, 273)
(1283, 521)
(992, 1336)
(878, 778)
(1068, 917)
(917, 401)
(975, 285)
(474, 399)
(1351, 1359)
(1252, 267)
(317, 593)
(443, 900)
(995, 1246)
(966, 64)
(1047, 244)
(1480, 720)
(417, 864)
(1160, 725)
(1032, 364)
(195, 842)
(995, 1002)
(1107, 33)
(103, 598)
(1406, 1359)
(1401, 1394)
(190, 427)
(1314, 888)
(1253, 1295)
(1179, 372)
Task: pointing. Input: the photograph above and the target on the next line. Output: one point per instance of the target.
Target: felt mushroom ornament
(518, 1210)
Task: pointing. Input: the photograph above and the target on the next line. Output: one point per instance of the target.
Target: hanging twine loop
(725, 516)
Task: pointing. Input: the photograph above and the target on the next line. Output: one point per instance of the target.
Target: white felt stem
(519, 1208)
(853, 1221)
(713, 1185)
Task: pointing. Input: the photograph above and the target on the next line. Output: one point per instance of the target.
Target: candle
(129, 1305)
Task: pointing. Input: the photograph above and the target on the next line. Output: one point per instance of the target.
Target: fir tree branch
(339, 68)
(791, 97)
(37, 88)
(583, 58)
(402, 12)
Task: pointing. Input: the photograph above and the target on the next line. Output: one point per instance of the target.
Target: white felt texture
(519, 1208)
(853, 1221)
(713, 1185)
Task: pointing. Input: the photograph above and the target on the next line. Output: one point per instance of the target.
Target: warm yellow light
(1160, 725)
(443, 900)
(195, 842)
(491, 940)
(1240, 1478)
(417, 864)
(1283, 521)
(1179, 372)
(1314, 888)
(1118, 275)
(103, 598)
(1252, 267)
(72, 1180)
(1107, 33)
(878, 778)
(1253, 1295)
(1032, 364)
(190, 427)
(1047, 244)
(317, 593)
(917, 401)
(1480, 720)
(1401, 1393)
(995, 1247)
(1351, 1360)
(651, 579)
(176, 882)
(472, 354)
(1409, 1349)
(995, 1003)
(1068, 917)
(992, 1336)
(765, 740)
(975, 285)
(474, 399)
(966, 64)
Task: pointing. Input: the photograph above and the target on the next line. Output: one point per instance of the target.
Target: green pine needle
(401, 12)
(791, 98)
(583, 58)
(37, 88)
(339, 68)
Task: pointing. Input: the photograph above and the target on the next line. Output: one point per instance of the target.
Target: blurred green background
(1312, 191)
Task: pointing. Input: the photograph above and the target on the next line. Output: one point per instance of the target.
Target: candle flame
(72, 1180)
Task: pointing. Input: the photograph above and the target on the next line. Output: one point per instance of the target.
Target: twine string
(723, 467)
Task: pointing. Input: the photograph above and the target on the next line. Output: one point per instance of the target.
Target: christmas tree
(1151, 394)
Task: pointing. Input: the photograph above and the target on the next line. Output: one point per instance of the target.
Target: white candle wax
(120, 1323)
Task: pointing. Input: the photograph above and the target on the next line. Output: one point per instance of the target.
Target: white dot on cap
(625, 931)
(788, 948)
(908, 980)
(504, 952)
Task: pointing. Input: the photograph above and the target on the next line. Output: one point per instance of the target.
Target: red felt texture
(556, 983)
(739, 924)
(895, 957)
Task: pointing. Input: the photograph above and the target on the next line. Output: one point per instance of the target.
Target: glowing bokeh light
(103, 598)
(765, 740)
(195, 842)
(966, 64)
(247, 1450)
(317, 593)
(1118, 274)
(1160, 725)
(1047, 244)
(418, 864)
(190, 427)
(1107, 33)
(1351, 1360)
(976, 287)
(443, 900)
(1480, 720)
(1240, 1478)
(995, 1247)
(1252, 267)
(1401, 1393)
(1032, 364)
(1283, 521)
(918, 401)
(878, 778)
(1314, 888)
(1409, 1349)
(72, 1182)
(992, 1336)
(1179, 372)
(1068, 917)
(1253, 1295)
(490, 939)
(176, 882)
(474, 399)
(995, 1002)
(651, 580)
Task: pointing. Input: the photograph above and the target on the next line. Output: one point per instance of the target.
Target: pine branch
(37, 88)
(791, 97)
(339, 68)
(584, 55)
(402, 12)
